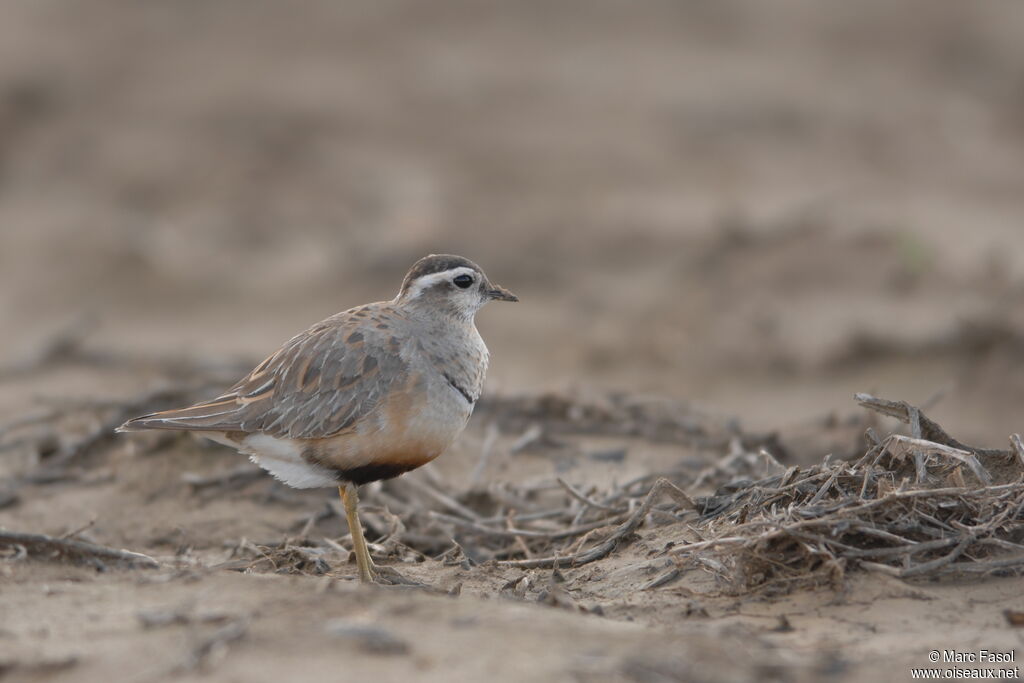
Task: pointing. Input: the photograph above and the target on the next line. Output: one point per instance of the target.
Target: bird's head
(450, 284)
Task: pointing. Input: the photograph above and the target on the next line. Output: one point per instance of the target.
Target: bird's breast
(413, 425)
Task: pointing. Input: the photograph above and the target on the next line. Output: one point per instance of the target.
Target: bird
(364, 395)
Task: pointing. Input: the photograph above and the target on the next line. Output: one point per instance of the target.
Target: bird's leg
(350, 499)
(368, 572)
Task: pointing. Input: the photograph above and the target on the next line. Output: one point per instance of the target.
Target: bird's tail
(213, 414)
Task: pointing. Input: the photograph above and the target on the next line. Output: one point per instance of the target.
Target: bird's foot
(388, 576)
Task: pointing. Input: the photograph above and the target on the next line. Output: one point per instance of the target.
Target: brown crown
(436, 263)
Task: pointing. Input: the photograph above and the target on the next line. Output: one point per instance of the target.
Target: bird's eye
(463, 281)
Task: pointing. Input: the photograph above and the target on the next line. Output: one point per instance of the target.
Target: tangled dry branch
(910, 507)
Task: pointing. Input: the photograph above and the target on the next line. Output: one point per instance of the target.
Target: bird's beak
(499, 293)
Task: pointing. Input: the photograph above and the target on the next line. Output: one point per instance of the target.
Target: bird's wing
(320, 383)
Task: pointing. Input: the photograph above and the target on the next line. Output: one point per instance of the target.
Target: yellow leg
(350, 499)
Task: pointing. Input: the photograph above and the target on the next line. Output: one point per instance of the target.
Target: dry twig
(810, 526)
(49, 547)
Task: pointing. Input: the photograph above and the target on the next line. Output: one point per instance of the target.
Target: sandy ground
(754, 211)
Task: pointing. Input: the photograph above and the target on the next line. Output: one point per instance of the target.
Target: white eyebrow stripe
(426, 281)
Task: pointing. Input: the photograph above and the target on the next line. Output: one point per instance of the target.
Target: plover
(365, 395)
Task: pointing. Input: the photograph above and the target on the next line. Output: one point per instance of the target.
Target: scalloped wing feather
(319, 384)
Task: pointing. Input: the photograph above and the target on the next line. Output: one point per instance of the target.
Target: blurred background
(756, 207)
